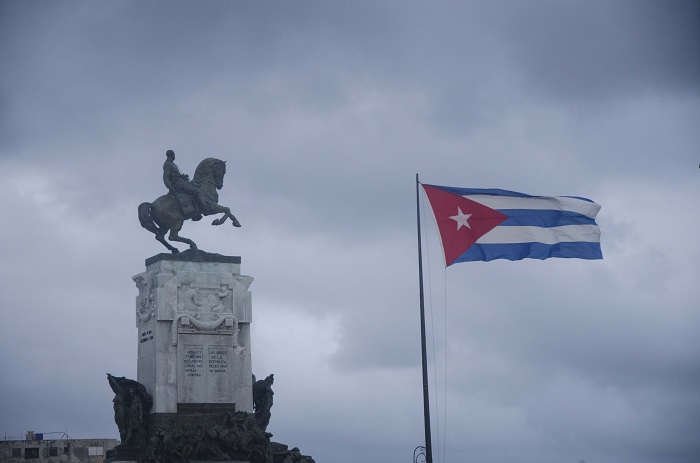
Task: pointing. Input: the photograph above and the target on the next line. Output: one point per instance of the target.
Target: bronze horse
(165, 213)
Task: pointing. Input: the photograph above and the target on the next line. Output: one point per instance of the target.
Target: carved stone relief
(145, 307)
(204, 307)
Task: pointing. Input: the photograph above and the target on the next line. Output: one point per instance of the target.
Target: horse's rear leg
(175, 237)
(147, 219)
(160, 236)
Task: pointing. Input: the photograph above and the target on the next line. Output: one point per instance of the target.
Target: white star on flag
(461, 218)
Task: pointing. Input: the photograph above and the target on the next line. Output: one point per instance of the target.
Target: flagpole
(426, 396)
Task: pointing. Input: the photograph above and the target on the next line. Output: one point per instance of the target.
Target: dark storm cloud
(613, 50)
(117, 67)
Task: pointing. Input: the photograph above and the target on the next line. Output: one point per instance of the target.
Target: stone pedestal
(193, 315)
(193, 397)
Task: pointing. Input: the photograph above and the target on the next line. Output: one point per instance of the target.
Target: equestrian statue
(185, 200)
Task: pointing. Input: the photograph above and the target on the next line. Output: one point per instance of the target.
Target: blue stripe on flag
(487, 252)
(481, 191)
(495, 192)
(543, 218)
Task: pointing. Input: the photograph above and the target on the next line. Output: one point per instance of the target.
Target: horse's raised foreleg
(227, 214)
(173, 236)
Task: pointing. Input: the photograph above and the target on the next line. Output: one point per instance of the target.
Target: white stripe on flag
(553, 235)
(559, 203)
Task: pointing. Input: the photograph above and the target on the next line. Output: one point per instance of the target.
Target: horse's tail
(146, 219)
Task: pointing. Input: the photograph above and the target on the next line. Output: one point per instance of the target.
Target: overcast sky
(325, 111)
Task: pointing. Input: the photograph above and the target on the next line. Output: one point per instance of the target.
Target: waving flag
(488, 224)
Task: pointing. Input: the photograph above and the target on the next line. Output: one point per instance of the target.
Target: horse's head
(210, 170)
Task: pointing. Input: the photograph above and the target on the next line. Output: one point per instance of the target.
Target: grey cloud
(612, 50)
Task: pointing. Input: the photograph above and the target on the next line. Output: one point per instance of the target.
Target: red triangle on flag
(460, 221)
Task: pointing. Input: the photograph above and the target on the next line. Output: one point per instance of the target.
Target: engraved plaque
(204, 369)
(193, 361)
(219, 373)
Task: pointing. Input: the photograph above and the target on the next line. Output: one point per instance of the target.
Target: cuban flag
(489, 224)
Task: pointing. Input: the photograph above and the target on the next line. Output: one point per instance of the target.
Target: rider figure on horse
(190, 198)
(185, 200)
